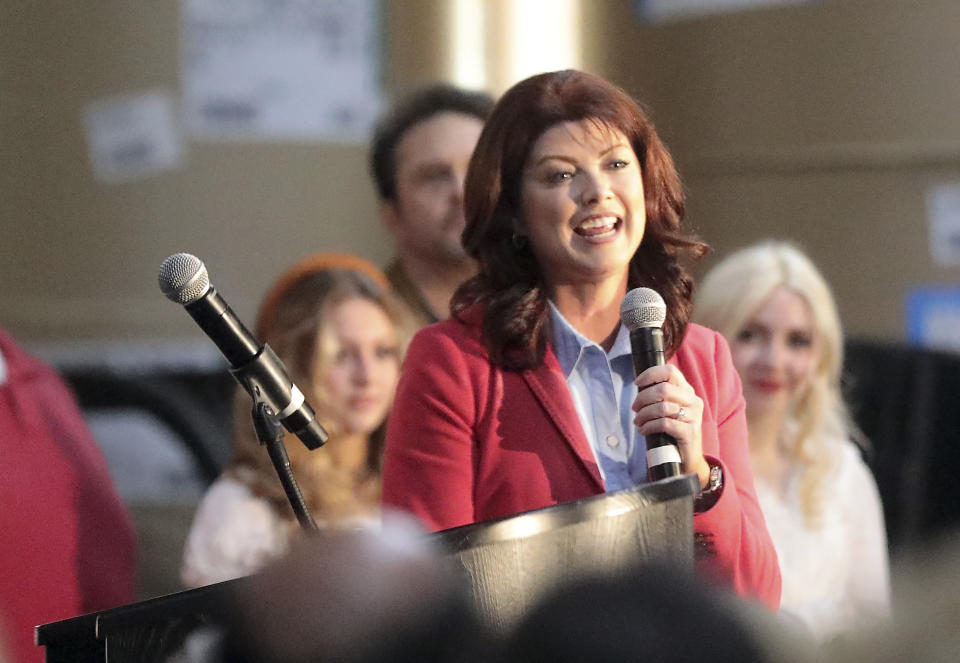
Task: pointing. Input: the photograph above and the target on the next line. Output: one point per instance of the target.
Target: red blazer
(467, 442)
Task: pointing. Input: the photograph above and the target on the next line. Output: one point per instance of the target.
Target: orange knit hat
(318, 262)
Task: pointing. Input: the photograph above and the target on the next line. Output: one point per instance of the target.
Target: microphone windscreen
(183, 278)
(643, 307)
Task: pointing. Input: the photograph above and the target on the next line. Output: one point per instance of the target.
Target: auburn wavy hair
(509, 286)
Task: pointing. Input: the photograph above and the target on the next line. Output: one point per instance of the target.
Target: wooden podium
(510, 562)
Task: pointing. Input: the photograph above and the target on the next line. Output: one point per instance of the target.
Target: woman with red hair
(527, 397)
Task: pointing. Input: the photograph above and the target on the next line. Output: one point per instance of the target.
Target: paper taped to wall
(943, 212)
(132, 136)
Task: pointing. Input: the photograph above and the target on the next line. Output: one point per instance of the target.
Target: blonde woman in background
(819, 498)
(340, 334)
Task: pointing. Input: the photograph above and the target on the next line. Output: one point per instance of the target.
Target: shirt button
(613, 440)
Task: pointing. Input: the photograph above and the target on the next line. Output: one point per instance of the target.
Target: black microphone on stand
(643, 312)
(184, 280)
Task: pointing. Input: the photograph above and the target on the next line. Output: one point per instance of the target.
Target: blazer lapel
(547, 384)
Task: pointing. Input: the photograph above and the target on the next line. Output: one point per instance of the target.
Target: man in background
(419, 159)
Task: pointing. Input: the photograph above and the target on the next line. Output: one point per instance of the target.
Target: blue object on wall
(933, 317)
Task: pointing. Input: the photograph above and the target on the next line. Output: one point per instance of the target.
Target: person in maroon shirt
(68, 544)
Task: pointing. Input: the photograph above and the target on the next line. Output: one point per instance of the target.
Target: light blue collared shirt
(603, 392)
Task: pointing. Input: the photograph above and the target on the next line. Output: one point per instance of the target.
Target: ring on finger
(681, 414)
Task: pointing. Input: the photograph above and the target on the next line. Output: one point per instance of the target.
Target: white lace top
(835, 578)
(234, 533)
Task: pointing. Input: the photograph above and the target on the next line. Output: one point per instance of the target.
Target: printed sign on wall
(281, 69)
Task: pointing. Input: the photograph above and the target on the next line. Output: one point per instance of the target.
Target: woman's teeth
(597, 226)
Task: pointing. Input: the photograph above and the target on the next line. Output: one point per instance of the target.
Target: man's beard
(447, 247)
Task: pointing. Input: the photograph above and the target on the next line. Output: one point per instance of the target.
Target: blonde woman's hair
(817, 420)
(298, 309)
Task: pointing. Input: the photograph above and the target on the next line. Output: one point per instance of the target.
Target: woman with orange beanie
(332, 321)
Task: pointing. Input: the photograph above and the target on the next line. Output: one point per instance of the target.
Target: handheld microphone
(184, 280)
(643, 312)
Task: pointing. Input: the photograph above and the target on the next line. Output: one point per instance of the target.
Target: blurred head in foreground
(356, 597)
(653, 613)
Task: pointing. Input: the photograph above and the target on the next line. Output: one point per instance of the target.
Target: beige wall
(79, 258)
(823, 122)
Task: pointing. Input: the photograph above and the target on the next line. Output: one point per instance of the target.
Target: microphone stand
(270, 434)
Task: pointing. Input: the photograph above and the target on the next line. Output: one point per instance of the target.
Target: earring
(519, 241)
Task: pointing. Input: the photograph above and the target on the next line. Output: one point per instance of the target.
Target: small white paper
(132, 136)
(943, 212)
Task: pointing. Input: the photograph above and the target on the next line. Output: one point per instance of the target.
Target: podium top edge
(527, 523)
(92, 626)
